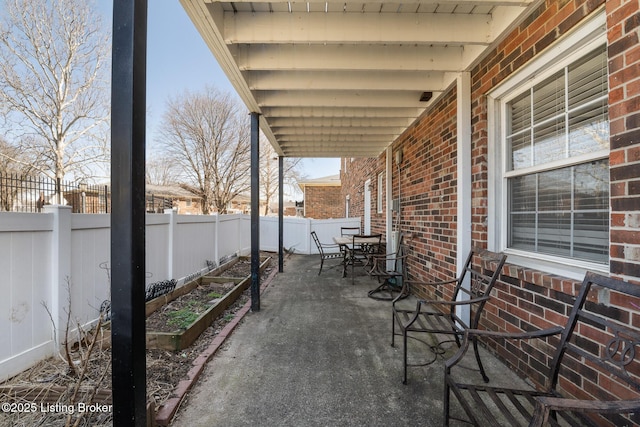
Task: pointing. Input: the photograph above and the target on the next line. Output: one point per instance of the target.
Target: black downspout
(255, 212)
(280, 214)
(128, 109)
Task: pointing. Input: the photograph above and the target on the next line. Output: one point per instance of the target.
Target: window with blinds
(557, 163)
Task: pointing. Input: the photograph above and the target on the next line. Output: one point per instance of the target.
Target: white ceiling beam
(326, 98)
(311, 122)
(355, 57)
(288, 111)
(336, 138)
(381, 28)
(334, 131)
(349, 80)
(332, 153)
(341, 149)
(327, 145)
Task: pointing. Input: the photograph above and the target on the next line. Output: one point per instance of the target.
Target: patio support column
(255, 212)
(389, 201)
(280, 214)
(463, 90)
(128, 111)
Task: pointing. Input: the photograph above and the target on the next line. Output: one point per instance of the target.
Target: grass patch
(187, 315)
(214, 295)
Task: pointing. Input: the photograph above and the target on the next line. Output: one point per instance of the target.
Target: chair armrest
(602, 406)
(545, 404)
(450, 303)
(471, 333)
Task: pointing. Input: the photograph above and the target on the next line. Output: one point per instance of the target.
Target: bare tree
(13, 160)
(208, 137)
(161, 170)
(269, 170)
(54, 83)
(14, 166)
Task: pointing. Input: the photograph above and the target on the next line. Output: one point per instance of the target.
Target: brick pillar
(623, 22)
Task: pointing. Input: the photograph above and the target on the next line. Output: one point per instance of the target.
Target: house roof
(330, 181)
(346, 78)
(174, 191)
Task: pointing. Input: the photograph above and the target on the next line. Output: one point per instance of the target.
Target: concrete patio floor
(318, 354)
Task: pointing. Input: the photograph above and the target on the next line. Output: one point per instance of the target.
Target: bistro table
(349, 243)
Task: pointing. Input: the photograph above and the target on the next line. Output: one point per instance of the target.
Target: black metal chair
(439, 316)
(393, 280)
(598, 343)
(349, 231)
(362, 248)
(322, 247)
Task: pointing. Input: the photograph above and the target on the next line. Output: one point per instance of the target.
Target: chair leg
(393, 329)
(353, 266)
(475, 349)
(446, 403)
(404, 356)
(321, 263)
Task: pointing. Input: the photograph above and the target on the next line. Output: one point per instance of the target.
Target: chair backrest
(480, 284)
(349, 231)
(317, 242)
(603, 337)
(371, 247)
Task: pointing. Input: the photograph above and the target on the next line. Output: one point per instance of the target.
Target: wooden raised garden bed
(186, 329)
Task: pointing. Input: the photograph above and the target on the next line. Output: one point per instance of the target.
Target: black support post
(255, 212)
(280, 214)
(128, 107)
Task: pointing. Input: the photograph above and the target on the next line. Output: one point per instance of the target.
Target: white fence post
(171, 244)
(60, 268)
(216, 248)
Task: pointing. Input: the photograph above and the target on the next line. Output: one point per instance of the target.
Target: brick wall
(427, 191)
(623, 19)
(323, 202)
(353, 176)
(524, 298)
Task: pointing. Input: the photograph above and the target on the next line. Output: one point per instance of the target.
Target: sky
(178, 60)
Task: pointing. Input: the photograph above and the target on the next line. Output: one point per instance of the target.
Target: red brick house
(548, 172)
(322, 197)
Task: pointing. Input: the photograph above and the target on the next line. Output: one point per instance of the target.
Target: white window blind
(557, 174)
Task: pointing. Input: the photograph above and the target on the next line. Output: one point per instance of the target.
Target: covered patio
(422, 101)
(318, 354)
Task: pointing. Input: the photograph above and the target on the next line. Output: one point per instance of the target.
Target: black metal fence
(30, 194)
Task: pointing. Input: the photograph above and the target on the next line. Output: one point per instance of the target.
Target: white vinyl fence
(48, 259)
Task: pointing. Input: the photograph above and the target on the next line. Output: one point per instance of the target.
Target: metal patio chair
(322, 247)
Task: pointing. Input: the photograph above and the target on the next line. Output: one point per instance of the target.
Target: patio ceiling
(345, 79)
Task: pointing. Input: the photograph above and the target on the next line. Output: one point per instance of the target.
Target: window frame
(582, 40)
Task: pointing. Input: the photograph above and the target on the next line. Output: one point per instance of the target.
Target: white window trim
(570, 48)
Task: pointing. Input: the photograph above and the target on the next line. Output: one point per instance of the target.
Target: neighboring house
(322, 197)
(160, 197)
(187, 203)
(242, 204)
(291, 208)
